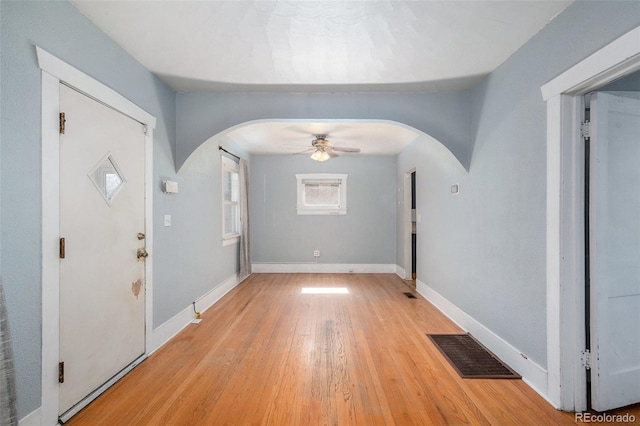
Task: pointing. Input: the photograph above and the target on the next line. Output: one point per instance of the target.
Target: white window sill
(227, 241)
(321, 212)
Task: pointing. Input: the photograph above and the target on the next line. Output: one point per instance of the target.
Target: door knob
(142, 254)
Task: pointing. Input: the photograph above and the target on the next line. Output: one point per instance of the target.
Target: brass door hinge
(62, 248)
(62, 122)
(61, 372)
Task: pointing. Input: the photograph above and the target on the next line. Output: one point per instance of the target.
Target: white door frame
(55, 72)
(567, 387)
(407, 225)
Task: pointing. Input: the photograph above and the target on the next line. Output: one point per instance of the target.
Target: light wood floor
(267, 354)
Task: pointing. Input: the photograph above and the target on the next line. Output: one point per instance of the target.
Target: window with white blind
(230, 201)
(322, 193)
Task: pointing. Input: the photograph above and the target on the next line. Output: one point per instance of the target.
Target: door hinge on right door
(585, 129)
(585, 359)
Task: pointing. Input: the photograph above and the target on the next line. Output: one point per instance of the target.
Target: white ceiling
(203, 45)
(319, 46)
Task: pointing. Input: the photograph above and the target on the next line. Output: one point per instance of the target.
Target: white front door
(102, 221)
(614, 216)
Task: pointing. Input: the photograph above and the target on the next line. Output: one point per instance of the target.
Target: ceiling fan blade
(317, 128)
(306, 151)
(331, 153)
(341, 149)
(304, 129)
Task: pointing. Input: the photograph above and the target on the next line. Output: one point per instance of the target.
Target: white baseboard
(170, 328)
(532, 374)
(335, 268)
(32, 419)
(400, 272)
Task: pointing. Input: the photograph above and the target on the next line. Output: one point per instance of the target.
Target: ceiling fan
(323, 150)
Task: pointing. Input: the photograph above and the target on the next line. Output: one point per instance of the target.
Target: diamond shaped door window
(107, 178)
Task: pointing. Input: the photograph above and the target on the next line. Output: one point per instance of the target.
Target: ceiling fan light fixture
(320, 155)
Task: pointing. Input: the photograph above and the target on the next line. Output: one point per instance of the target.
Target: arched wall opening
(443, 116)
(376, 208)
(199, 156)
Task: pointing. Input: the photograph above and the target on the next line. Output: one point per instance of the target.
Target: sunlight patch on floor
(325, 290)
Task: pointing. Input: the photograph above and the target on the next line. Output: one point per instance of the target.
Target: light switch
(170, 187)
(167, 220)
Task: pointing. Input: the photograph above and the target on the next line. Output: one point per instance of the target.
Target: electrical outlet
(316, 253)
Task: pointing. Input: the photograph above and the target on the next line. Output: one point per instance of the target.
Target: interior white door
(102, 201)
(614, 216)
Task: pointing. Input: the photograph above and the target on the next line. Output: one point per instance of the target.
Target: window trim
(303, 209)
(228, 165)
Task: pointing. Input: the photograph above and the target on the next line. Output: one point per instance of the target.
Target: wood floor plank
(266, 354)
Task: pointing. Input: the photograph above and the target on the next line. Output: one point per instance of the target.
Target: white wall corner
(166, 331)
(400, 272)
(532, 374)
(323, 268)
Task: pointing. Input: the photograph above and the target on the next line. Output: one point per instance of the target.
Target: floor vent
(470, 359)
(410, 295)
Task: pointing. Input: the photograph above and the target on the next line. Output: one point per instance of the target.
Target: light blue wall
(484, 249)
(200, 262)
(60, 29)
(436, 170)
(366, 234)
